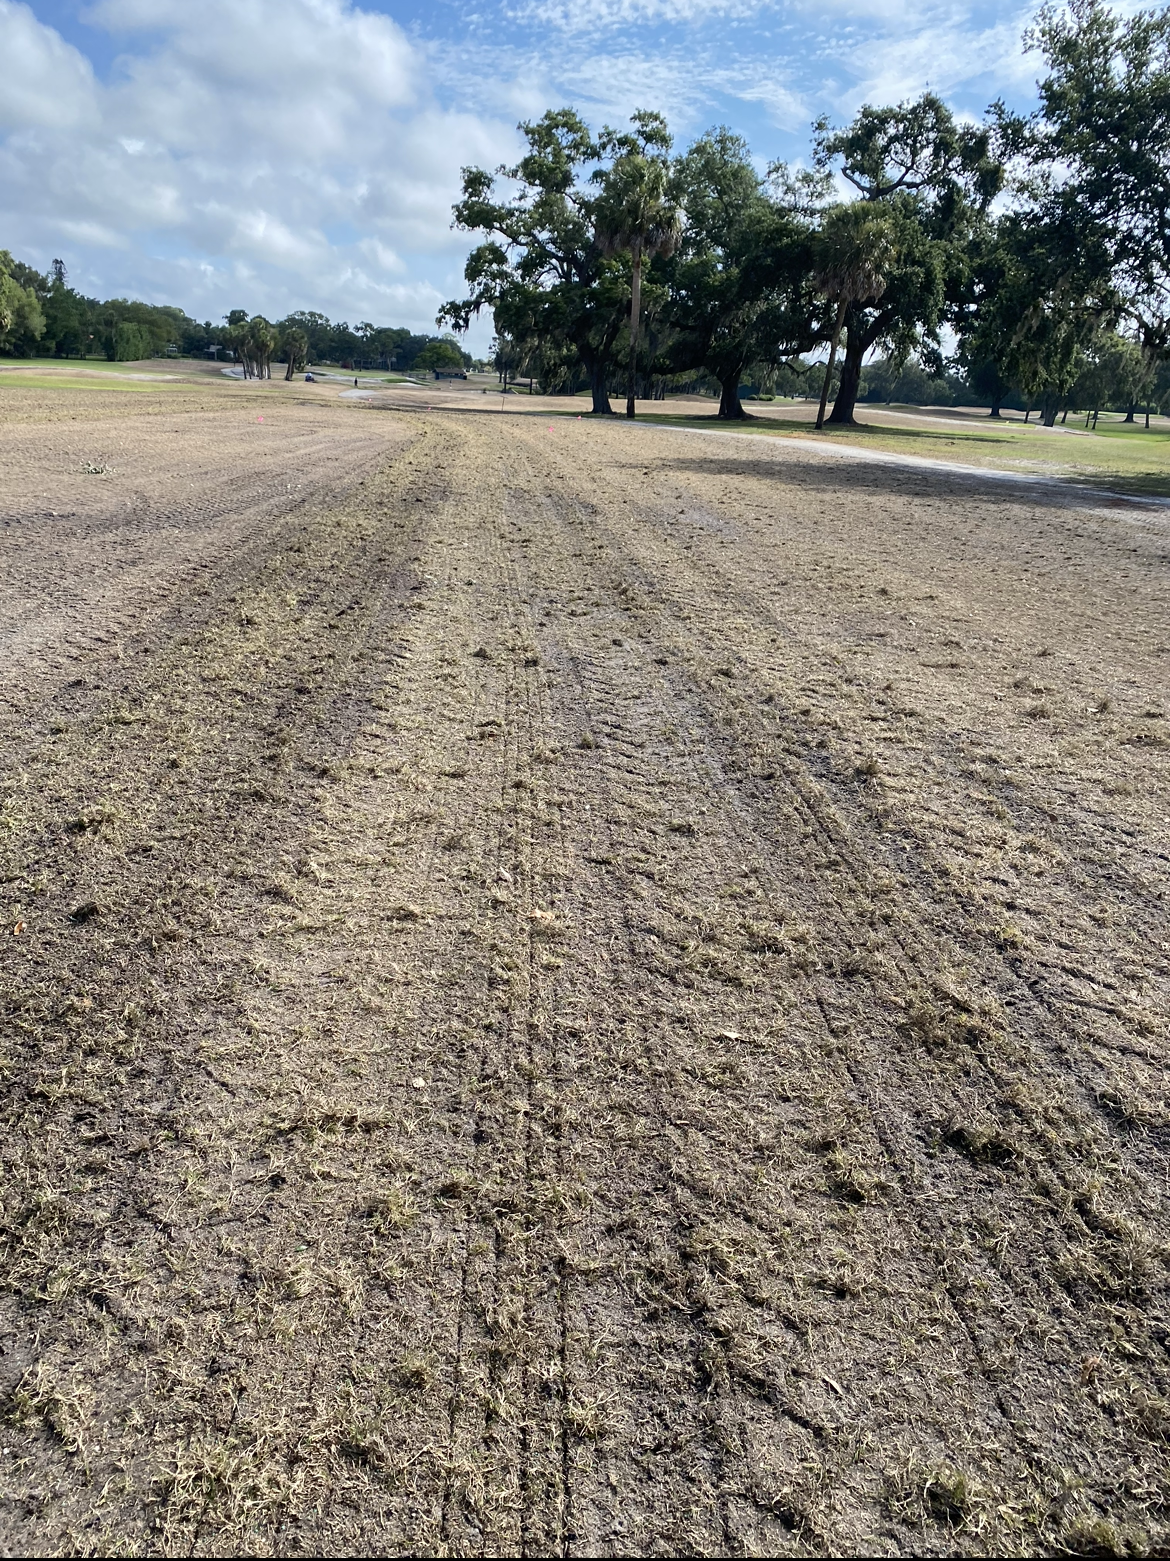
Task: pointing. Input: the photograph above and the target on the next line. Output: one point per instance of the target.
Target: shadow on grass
(943, 445)
(881, 433)
(892, 481)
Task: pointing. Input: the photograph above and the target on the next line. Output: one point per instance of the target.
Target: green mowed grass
(24, 381)
(57, 366)
(1118, 456)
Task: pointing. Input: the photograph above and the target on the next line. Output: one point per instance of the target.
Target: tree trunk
(601, 404)
(996, 403)
(1095, 412)
(1064, 417)
(1051, 404)
(850, 381)
(292, 366)
(832, 360)
(730, 405)
(635, 311)
(1128, 418)
(1147, 417)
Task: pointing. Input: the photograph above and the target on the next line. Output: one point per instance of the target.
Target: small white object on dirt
(418, 1083)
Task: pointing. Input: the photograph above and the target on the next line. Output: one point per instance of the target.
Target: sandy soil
(111, 520)
(574, 991)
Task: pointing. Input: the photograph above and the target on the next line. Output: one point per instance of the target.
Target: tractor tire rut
(539, 1019)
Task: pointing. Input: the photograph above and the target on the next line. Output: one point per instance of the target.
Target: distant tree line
(1022, 261)
(41, 315)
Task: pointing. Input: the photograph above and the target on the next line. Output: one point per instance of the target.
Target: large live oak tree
(935, 179)
(1099, 150)
(541, 270)
(740, 286)
(1036, 294)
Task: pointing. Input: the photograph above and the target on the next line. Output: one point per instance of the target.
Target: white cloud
(280, 153)
(595, 16)
(321, 45)
(948, 50)
(381, 256)
(702, 61)
(45, 81)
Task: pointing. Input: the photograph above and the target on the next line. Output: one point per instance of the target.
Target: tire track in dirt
(898, 1156)
(827, 817)
(137, 520)
(840, 838)
(604, 698)
(523, 1322)
(911, 961)
(490, 1206)
(215, 786)
(525, 1144)
(537, 865)
(392, 1448)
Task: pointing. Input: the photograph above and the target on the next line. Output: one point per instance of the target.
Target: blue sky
(275, 154)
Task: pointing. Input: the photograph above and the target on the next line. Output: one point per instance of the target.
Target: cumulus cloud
(45, 82)
(285, 144)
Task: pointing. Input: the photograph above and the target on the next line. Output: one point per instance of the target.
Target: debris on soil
(691, 1080)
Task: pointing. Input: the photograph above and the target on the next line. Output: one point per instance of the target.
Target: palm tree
(295, 346)
(261, 345)
(854, 251)
(635, 216)
(236, 338)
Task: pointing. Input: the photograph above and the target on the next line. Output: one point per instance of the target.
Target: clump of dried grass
(936, 1492)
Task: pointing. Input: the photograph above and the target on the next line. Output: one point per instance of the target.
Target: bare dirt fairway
(573, 989)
